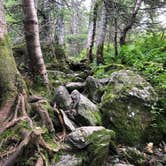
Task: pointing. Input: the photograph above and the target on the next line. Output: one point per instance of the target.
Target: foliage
(146, 57)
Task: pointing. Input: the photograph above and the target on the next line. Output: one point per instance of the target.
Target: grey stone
(93, 88)
(126, 105)
(75, 85)
(94, 143)
(62, 98)
(104, 81)
(87, 112)
(68, 123)
(78, 137)
(69, 160)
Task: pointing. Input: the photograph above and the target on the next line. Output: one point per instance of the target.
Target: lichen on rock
(126, 105)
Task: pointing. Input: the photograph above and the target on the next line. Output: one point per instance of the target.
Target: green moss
(99, 146)
(129, 127)
(12, 135)
(10, 79)
(126, 115)
(98, 118)
(103, 71)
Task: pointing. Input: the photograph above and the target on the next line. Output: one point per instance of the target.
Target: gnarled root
(17, 151)
(32, 135)
(45, 117)
(39, 162)
(12, 123)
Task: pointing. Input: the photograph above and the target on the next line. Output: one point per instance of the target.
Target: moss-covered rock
(126, 106)
(58, 78)
(94, 89)
(87, 113)
(93, 144)
(62, 98)
(100, 142)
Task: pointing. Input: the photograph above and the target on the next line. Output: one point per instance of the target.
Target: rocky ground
(90, 122)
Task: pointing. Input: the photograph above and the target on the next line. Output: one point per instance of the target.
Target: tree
(11, 82)
(101, 37)
(32, 40)
(60, 24)
(130, 23)
(92, 30)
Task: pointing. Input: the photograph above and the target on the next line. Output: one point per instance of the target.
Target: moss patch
(99, 146)
(10, 79)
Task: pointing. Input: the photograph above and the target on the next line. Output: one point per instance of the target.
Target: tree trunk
(101, 38)
(116, 36)
(32, 40)
(92, 31)
(10, 80)
(60, 24)
(130, 22)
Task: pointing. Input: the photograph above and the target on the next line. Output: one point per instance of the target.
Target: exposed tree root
(45, 118)
(33, 135)
(34, 99)
(12, 123)
(47, 146)
(9, 160)
(40, 162)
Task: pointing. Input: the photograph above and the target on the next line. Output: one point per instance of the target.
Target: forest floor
(39, 131)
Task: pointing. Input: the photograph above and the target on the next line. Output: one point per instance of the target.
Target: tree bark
(101, 37)
(92, 31)
(60, 24)
(116, 36)
(130, 22)
(32, 40)
(10, 79)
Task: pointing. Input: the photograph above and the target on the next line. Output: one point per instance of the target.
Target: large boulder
(126, 105)
(92, 142)
(62, 98)
(86, 112)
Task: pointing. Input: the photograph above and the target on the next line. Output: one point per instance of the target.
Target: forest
(82, 82)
